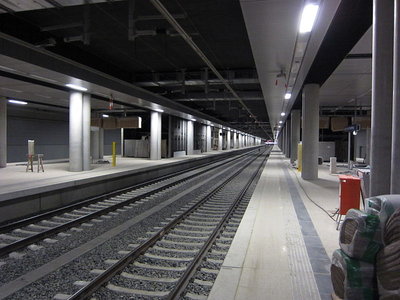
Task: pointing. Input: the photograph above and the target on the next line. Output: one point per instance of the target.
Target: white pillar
(395, 162)
(294, 134)
(190, 137)
(228, 140)
(208, 138)
(3, 132)
(155, 136)
(122, 143)
(101, 143)
(310, 106)
(220, 139)
(94, 142)
(86, 132)
(382, 96)
(235, 146)
(75, 132)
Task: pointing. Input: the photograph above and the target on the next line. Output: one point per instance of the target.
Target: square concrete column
(155, 135)
(3, 132)
(310, 106)
(235, 146)
(190, 137)
(86, 110)
(288, 140)
(382, 96)
(228, 140)
(101, 143)
(294, 134)
(94, 142)
(75, 132)
(208, 138)
(220, 139)
(395, 161)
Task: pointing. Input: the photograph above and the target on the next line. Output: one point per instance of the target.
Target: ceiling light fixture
(105, 116)
(76, 87)
(158, 110)
(280, 122)
(283, 114)
(194, 120)
(17, 102)
(308, 17)
(288, 96)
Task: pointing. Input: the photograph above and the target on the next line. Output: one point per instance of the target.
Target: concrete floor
(284, 244)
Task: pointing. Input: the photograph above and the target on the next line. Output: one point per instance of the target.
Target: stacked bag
(368, 261)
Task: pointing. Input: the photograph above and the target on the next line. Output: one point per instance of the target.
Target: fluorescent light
(279, 126)
(280, 122)
(76, 87)
(194, 120)
(17, 102)
(105, 116)
(288, 96)
(158, 110)
(308, 18)
(282, 114)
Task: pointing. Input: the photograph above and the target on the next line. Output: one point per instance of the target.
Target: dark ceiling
(133, 42)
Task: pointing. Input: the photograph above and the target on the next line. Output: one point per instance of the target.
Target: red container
(349, 193)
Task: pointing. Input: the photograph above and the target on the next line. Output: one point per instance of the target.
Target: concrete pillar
(288, 141)
(155, 135)
(235, 146)
(86, 132)
(310, 106)
(219, 139)
(101, 143)
(3, 132)
(94, 142)
(228, 140)
(75, 132)
(294, 134)
(208, 138)
(122, 143)
(190, 138)
(395, 162)
(170, 134)
(382, 96)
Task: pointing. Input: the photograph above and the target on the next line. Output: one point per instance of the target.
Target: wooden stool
(29, 165)
(40, 162)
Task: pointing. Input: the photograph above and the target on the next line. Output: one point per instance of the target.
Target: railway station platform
(23, 193)
(283, 246)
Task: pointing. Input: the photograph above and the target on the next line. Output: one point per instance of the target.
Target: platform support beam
(101, 143)
(288, 140)
(155, 135)
(310, 107)
(382, 96)
(190, 137)
(395, 178)
(3, 132)
(208, 138)
(75, 132)
(86, 109)
(219, 139)
(294, 134)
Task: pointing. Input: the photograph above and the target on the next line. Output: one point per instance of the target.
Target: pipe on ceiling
(158, 5)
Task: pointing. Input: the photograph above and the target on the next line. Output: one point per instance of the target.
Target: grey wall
(50, 132)
(51, 138)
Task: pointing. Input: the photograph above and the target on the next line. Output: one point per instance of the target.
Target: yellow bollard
(114, 154)
(299, 156)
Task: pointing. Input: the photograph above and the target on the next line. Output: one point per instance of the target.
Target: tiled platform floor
(284, 244)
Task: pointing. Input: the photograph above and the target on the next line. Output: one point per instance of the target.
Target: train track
(27, 232)
(163, 265)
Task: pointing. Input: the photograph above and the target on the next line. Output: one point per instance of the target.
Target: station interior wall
(50, 132)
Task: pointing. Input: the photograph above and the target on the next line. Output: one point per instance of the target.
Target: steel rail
(21, 223)
(86, 291)
(75, 222)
